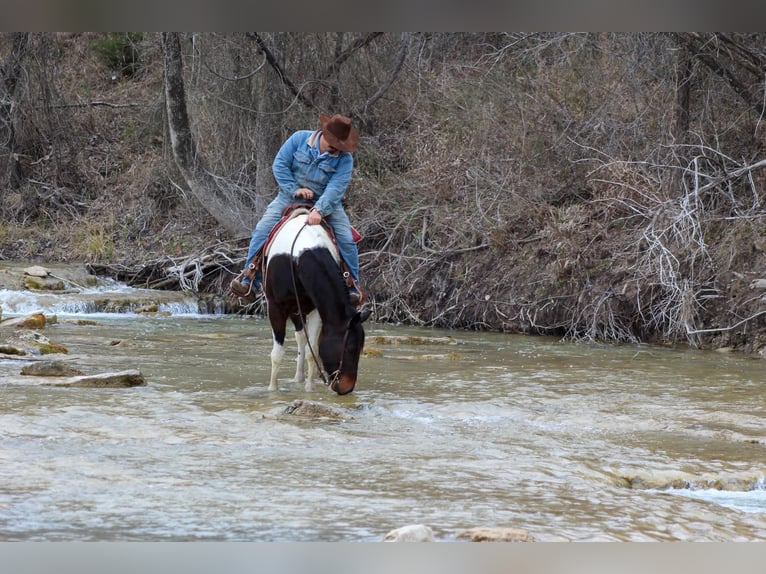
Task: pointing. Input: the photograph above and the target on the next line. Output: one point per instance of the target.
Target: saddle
(288, 213)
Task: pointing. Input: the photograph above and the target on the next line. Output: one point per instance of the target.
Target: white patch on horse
(308, 237)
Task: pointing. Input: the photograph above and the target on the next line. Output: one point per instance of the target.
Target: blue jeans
(338, 220)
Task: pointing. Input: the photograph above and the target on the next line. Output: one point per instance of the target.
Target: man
(311, 167)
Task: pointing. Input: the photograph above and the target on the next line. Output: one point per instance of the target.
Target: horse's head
(340, 350)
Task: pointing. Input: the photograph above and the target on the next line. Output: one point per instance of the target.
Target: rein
(319, 365)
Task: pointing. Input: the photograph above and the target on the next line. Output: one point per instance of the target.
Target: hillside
(599, 187)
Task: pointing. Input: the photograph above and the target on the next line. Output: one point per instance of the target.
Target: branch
(715, 330)
(405, 40)
(733, 175)
(348, 52)
(696, 44)
(274, 63)
(95, 103)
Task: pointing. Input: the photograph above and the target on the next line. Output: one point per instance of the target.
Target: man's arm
(336, 187)
(282, 166)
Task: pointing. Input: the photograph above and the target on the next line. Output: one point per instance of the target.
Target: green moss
(51, 348)
(5, 349)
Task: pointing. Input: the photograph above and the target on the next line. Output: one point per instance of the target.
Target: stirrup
(239, 294)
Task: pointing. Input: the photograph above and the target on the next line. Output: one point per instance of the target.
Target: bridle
(335, 374)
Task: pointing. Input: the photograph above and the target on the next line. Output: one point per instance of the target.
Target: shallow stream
(570, 442)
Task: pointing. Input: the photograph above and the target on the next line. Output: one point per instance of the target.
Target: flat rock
(493, 534)
(36, 271)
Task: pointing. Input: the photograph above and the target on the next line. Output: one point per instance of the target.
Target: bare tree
(10, 73)
(214, 194)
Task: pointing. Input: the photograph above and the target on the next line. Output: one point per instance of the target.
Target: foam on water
(747, 501)
(89, 301)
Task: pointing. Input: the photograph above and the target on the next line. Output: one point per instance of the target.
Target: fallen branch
(718, 329)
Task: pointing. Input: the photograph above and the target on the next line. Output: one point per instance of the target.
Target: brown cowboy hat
(339, 132)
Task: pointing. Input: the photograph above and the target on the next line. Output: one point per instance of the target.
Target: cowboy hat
(339, 132)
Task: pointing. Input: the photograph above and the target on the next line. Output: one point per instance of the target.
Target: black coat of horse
(303, 283)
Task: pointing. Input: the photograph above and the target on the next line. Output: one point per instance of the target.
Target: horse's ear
(360, 317)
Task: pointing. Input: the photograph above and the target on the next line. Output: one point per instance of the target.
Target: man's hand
(314, 217)
(304, 193)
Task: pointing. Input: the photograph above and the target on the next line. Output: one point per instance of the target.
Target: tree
(10, 73)
(218, 198)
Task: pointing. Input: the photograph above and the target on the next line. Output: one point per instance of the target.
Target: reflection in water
(570, 442)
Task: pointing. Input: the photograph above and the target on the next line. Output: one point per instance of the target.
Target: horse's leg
(300, 340)
(313, 326)
(278, 328)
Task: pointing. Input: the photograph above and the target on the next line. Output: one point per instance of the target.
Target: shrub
(119, 51)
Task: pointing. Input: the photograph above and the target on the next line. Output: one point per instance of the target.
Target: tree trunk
(267, 142)
(212, 193)
(10, 71)
(683, 94)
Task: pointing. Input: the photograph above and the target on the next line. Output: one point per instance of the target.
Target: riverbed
(454, 430)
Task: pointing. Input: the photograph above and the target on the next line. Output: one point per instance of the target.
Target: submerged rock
(311, 409)
(410, 340)
(12, 351)
(741, 483)
(50, 369)
(122, 379)
(410, 533)
(496, 535)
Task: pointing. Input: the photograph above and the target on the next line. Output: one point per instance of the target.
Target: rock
(311, 409)
(758, 284)
(43, 284)
(11, 350)
(33, 343)
(410, 533)
(36, 271)
(50, 347)
(148, 309)
(122, 379)
(33, 321)
(496, 535)
(50, 369)
(410, 340)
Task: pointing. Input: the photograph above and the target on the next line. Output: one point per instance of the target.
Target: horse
(303, 282)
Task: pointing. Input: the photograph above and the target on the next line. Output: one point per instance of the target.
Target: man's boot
(355, 293)
(247, 284)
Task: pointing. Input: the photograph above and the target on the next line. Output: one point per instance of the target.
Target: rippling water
(570, 442)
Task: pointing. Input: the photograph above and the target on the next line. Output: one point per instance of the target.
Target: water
(570, 442)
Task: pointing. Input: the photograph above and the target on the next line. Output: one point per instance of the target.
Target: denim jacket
(299, 164)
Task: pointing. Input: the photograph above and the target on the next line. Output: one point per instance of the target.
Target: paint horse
(303, 282)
